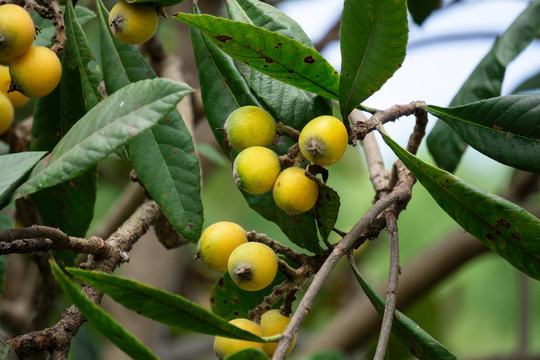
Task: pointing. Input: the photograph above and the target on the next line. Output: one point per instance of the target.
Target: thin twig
(391, 291)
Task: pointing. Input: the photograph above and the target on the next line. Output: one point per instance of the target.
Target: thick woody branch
(56, 339)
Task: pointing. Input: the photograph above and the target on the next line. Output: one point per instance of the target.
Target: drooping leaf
(422, 345)
(373, 38)
(502, 226)
(14, 169)
(69, 205)
(248, 354)
(421, 9)
(503, 128)
(220, 98)
(161, 306)
(230, 302)
(271, 53)
(327, 210)
(532, 83)
(106, 127)
(288, 104)
(444, 144)
(163, 157)
(102, 321)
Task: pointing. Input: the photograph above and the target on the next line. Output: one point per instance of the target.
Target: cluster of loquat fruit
(257, 169)
(26, 71)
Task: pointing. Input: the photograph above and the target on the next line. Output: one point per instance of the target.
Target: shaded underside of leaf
(102, 321)
(105, 128)
(444, 144)
(327, 210)
(373, 38)
(505, 128)
(502, 226)
(163, 157)
(161, 306)
(422, 345)
(15, 167)
(271, 53)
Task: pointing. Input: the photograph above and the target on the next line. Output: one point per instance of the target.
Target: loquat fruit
(17, 32)
(218, 241)
(6, 113)
(273, 322)
(223, 346)
(294, 192)
(17, 99)
(250, 126)
(255, 169)
(323, 140)
(133, 23)
(253, 266)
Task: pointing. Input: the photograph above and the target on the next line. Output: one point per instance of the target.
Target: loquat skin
(17, 32)
(323, 140)
(255, 169)
(36, 73)
(294, 192)
(250, 126)
(253, 266)
(224, 347)
(133, 23)
(218, 241)
(6, 113)
(17, 99)
(273, 322)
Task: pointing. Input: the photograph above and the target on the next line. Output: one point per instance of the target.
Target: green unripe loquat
(218, 241)
(255, 169)
(224, 346)
(17, 32)
(323, 140)
(133, 23)
(6, 113)
(36, 73)
(273, 322)
(250, 126)
(253, 266)
(294, 192)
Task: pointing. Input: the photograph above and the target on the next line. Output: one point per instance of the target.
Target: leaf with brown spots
(257, 46)
(501, 225)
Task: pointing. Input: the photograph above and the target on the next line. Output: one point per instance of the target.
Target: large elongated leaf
(422, 345)
(69, 205)
(502, 226)
(290, 105)
(159, 305)
(504, 128)
(373, 37)
(271, 53)
(163, 157)
(485, 82)
(102, 321)
(14, 168)
(105, 128)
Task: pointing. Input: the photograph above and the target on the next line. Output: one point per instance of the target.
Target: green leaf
(248, 354)
(422, 345)
(7, 352)
(14, 169)
(230, 302)
(161, 306)
(503, 128)
(164, 157)
(300, 229)
(327, 210)
(69, 205)
(421, 9)
(373, 37)
(502, 226)
(102, 321)
(288, 104)
(220, 98)
(105, 128)
(444, 144)
(271, 53)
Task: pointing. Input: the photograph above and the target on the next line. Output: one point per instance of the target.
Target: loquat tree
(98, 113)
